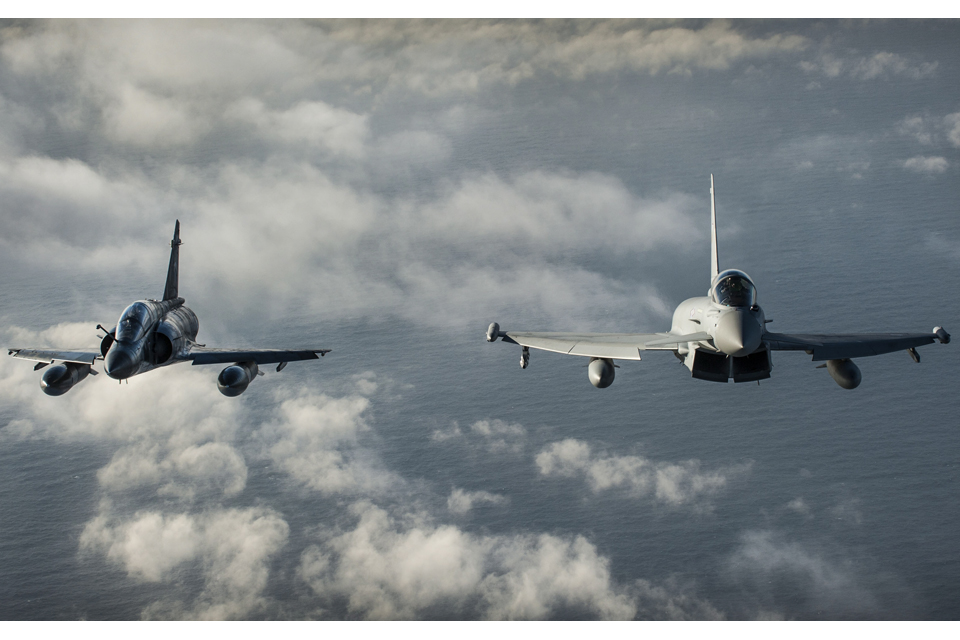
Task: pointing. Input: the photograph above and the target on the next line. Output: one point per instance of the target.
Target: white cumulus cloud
(233, 547)
(927, 164)
(495, 436)
(952, 124)
(390, 569)
(672, 483)
(314, 439)
(774, 571)
(460, 502)
(883, 64)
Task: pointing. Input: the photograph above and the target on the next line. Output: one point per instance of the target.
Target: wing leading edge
(50, 355)
(620, 346)
(203, 355)
(839, 346)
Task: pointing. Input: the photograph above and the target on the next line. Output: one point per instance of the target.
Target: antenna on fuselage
(714, 259)
(173, 271)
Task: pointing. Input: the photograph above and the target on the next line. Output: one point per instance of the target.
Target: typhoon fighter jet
(720, 336)
(152, 334)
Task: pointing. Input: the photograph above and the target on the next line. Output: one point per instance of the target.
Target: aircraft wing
(622, 346)
(49, 355)
(837, 346)
(203, 355)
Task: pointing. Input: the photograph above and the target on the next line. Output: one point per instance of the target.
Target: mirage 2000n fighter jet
(719, 337)
(152, 334)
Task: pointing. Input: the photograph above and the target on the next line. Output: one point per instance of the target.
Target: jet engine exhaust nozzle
(738, 333)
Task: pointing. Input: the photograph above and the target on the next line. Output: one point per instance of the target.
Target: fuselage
(729, 314)
(149, 334)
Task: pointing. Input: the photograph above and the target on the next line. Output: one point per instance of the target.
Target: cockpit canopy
(734, 288)
(133, 322)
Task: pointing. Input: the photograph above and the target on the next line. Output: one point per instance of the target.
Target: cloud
(848, 510)
(190, 447)
(514, 238)
(461, 502)
(774, 572)
(194, 412)
(143, 119)
(440, 58)
(928, 130)
(672, 483)
(916, 127)
(952, 124)
(442, 435)
(314, 123)
(125, 73)
(233, 547)
(387, 568)
(841, 153)
(800, 506)
(496, 436)
(271, 143)
(315, 440)
(885, 63)
(180, 455)
(943, 246)
(672, 601)
(855, 169)
(500, 435)
(882, 64)
(930, 165)
(181, 472)
(67, 214)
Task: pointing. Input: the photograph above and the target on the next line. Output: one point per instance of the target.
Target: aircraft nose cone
(120, 363)
(738, 333)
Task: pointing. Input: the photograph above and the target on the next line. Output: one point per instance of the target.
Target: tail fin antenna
(173, 271)
(714, 259)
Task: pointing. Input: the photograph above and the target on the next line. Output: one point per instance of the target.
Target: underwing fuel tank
(845, 373)
(59, 379)
(235, 379)
(601, 372)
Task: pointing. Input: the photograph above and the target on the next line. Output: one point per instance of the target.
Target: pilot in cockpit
(132, 322)
(735, 290)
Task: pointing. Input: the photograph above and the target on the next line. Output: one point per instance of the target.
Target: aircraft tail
(173, 271)
(714, 259)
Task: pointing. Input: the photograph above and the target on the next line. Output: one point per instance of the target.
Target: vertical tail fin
(714, 259)
(173, 271)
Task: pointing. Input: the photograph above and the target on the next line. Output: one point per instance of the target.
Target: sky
(386, 189)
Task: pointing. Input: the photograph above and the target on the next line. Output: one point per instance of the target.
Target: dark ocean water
(876, 468)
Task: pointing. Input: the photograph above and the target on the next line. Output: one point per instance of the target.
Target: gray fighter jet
(152, 334)
(719, 337)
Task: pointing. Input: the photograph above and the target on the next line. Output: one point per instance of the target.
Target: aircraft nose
(120, 363)
(738, 333)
